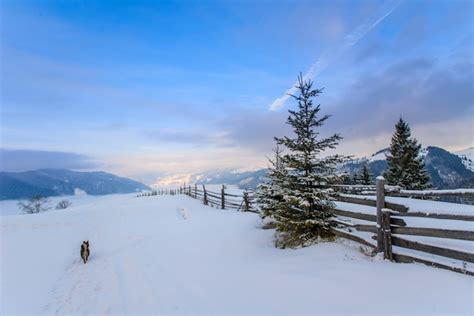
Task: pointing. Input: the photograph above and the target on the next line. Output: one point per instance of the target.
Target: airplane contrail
(333, 52)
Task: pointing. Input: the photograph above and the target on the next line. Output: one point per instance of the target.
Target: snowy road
(172, 255)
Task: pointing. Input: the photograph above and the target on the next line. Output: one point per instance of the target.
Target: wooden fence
(387, 224)
(222, 199)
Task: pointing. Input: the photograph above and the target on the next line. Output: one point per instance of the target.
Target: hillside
(467, 157)
(447, 171)
(243, 180)
(54, 182)
(171, 255)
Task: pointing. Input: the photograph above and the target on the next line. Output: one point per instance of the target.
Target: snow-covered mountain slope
(446, 169)
(171, 255)
(380, 155)
(467, 156)
(242, 179)
(174, 180)
(54, 182)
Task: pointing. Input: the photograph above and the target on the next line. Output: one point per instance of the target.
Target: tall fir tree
(364, 176)
(405, 164)
(303, 216)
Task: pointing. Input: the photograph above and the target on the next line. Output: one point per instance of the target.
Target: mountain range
(447, 170)
(55, 182)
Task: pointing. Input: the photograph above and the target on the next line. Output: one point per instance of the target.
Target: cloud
(428, 93)
(16, 160)
(189, 137)
(161, 162)
(254, 129)
(421, 90)
(332, 53)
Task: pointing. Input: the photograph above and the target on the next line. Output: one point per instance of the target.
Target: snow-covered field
(172, 255)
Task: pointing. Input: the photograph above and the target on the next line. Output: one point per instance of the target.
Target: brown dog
(85, 250)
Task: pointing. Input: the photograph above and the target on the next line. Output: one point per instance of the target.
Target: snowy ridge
(380, 155)
(243, 179)
(174, 180)
(467, 157)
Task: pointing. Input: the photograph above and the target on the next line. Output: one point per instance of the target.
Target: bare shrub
(63, 204)
(35, 204)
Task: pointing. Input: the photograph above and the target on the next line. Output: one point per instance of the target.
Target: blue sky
(146, 88)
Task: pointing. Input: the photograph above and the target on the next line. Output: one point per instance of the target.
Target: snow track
(183, 212)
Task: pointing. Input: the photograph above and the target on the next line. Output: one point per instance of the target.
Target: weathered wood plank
(435, 250)
(366, 217)
(233, 195)
(433, 193)
(356, 215)
(232, 204)
(370, 202)
(205, 201)
(380, 204)
(409, 259)
(223, 197)
(353, 238)
(356, 200)
(358, 227)
(387, 234)
(469, 218)
(434, 232)
(217, 196)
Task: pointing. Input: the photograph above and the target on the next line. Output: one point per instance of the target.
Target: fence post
(189, 190)
(380, 190)
(222, 198)
(195, 191)
(205, 194)
(387, 235)
(246, 202)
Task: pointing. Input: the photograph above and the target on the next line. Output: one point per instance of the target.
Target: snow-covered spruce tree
(346, 178)
(269, 195)
(303, 216)
(364, 176)
(405, 165)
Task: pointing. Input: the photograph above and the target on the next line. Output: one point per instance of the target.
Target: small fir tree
(269, 193)
(355, 179)
(364, 176)
(405, 164)
(346, 178)
(304, 214)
